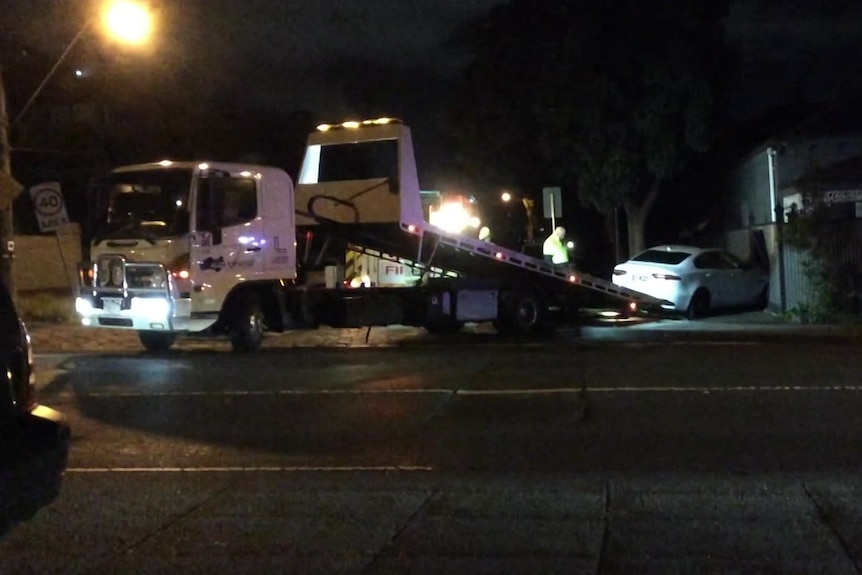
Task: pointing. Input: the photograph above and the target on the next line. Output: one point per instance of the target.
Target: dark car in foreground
(34, 439)
(18, 404)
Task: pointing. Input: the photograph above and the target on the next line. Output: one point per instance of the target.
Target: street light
(122, 19)
(126, 21)
(530, 209)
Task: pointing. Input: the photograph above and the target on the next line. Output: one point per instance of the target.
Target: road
(652, 455)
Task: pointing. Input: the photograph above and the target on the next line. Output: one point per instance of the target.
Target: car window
(733, 261)
(713, 260)
(661, 257)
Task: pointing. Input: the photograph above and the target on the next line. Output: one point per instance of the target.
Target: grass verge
(46, 306)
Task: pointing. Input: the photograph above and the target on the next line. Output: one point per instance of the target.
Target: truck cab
(182, 247)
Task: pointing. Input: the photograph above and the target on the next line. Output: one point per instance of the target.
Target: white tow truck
(225, 249)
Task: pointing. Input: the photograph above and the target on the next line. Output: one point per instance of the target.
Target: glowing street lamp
(124, 20)
(128, 21)
(529, 207)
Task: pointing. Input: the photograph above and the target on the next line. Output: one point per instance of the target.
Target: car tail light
(619, 272)
(666, 277)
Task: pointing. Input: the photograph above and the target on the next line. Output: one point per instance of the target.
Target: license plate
(640, 278)
(112, 305)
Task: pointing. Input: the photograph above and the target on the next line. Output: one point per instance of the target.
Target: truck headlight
(154, 308)
(83, 306)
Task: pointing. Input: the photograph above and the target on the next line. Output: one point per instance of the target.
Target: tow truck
(236, 250)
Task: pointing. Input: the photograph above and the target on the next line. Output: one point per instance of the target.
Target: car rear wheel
(698, 307)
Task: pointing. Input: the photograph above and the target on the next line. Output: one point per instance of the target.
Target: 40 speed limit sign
(49, 206)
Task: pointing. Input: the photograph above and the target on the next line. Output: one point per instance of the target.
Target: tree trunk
(636, 216)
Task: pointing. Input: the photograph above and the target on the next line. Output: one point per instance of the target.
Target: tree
(609, 98)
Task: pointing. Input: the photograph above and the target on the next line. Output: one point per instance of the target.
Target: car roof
(677, 248)
(694, 250)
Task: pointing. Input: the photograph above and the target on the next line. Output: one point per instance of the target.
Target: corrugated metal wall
(844, 244)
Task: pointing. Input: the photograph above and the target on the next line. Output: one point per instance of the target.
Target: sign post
(51, 215)
(552, 204)
(49, 205)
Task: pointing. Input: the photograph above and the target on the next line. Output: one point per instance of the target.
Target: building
(783, 179)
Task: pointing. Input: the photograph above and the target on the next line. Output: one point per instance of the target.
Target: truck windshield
(149, 203)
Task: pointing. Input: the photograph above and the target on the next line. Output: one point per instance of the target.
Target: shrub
(52, 307)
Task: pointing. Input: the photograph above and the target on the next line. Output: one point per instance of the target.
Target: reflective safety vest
(554, 247)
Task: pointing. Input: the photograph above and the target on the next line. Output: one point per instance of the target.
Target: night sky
(794, 49)
(288, 54)
(343, 58)
(340, 60)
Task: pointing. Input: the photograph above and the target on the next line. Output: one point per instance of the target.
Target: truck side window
(239, 200)
(225, 201)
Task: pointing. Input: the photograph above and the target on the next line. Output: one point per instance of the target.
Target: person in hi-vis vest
(554, 250)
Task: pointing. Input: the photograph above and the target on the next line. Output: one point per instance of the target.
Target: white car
(694, 280)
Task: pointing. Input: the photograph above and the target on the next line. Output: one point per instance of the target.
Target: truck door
(227, 241)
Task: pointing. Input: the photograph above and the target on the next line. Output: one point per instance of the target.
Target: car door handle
(252, 249)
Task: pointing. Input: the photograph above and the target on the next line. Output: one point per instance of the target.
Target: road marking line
(480, 392)
(731, 389)
(287, 469)
(666, 389)
(229, 392)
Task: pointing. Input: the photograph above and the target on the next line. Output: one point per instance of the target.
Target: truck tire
(524, 313)
(157, 341)
(247, 327)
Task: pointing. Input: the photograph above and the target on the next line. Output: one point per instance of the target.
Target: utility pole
(9, 190)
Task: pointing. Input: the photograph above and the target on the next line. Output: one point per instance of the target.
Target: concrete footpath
(69, 338)
(403, 522)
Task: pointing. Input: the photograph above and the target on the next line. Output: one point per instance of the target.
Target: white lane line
(728, 389)
(229, 392)
(287, 469)
(663, 389)
(483, 392)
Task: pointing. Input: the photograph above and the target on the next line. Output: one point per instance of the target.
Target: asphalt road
(642, 455)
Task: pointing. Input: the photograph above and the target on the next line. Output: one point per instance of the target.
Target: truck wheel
(525, 313)
(246, 332)
(157, 341)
